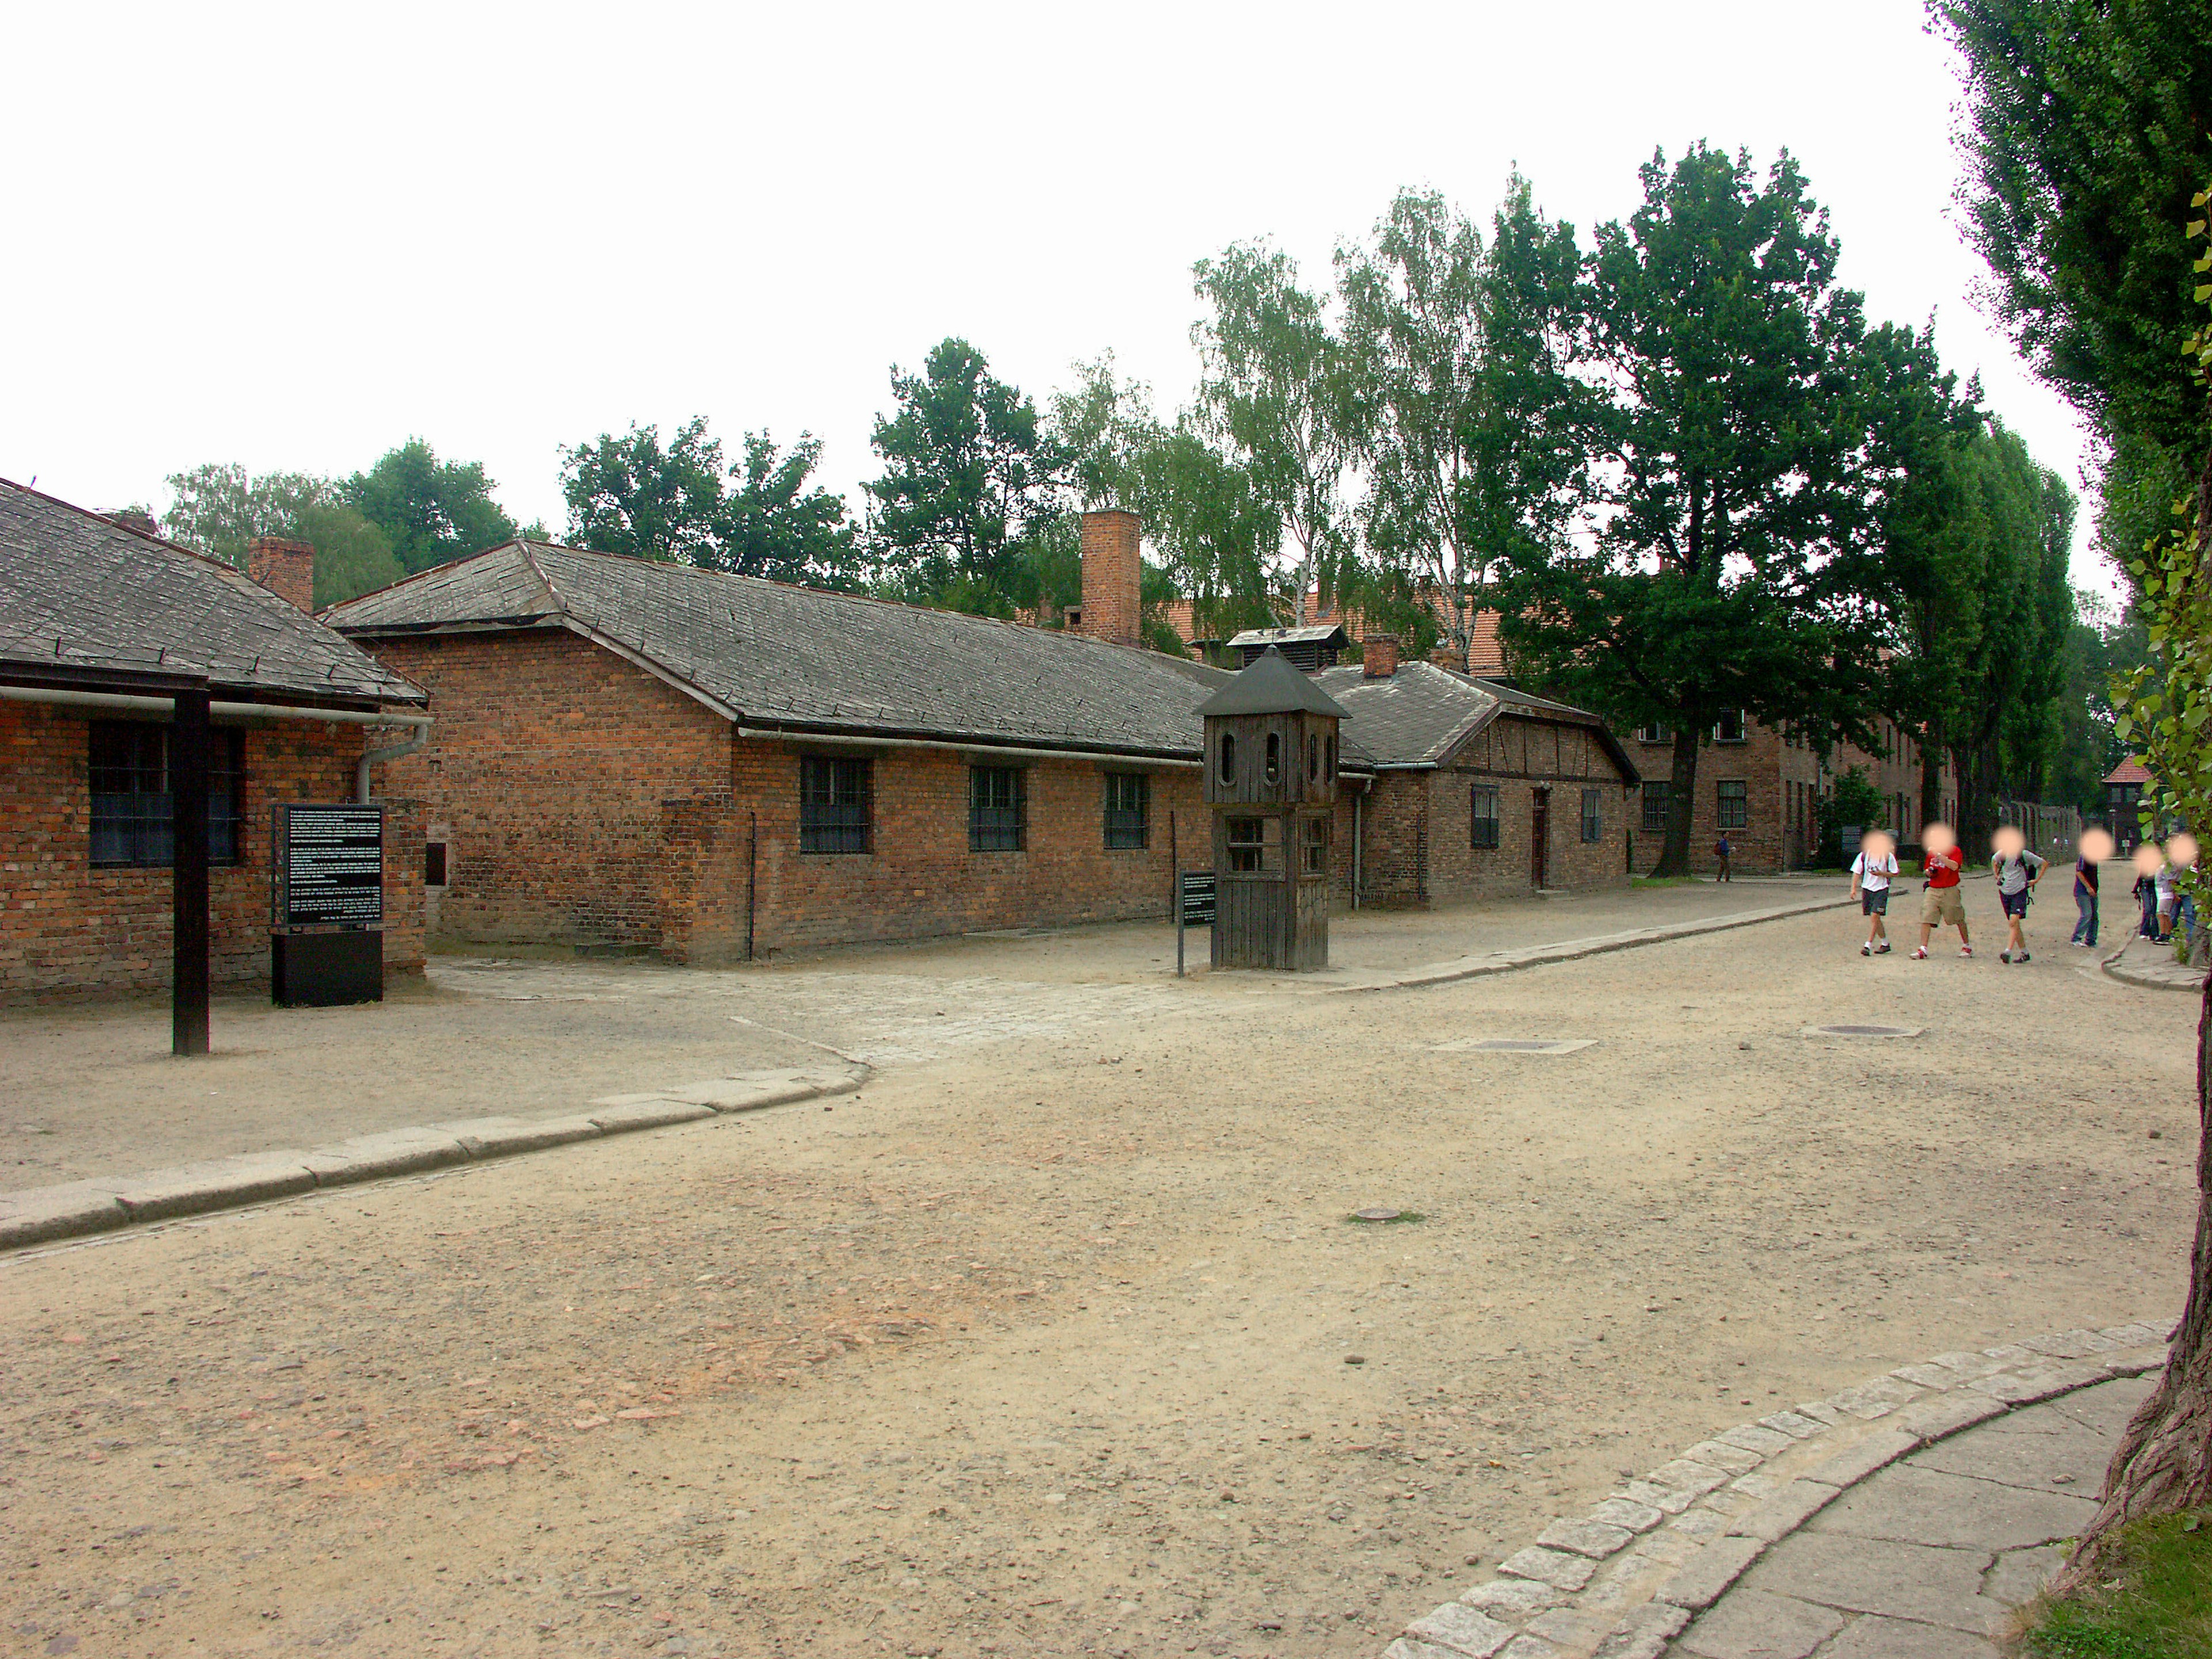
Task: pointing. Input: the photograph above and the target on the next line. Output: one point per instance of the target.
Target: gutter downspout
(390, 752)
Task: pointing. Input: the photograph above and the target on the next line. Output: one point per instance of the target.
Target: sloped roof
(1269, 685)
(85, 601)
(1421, 714)
(780, 657)
(1313, 633)
(2130, 770)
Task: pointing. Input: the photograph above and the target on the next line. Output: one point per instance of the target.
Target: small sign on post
(325, 903)
(1195, 899)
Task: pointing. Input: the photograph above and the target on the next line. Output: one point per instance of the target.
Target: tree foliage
(219, 508)
(433, 511)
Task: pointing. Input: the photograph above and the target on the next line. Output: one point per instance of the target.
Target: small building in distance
(100, 625)
(2123, 792)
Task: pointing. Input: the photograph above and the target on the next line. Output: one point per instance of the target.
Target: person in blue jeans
(2096, 846)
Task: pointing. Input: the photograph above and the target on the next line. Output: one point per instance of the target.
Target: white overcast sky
(293, 236)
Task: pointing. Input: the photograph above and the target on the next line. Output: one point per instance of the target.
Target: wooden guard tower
(1271, 736)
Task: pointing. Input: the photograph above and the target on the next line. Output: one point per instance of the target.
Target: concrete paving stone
(1405, 1648)
(1756, 1437)
(2010, 1353)
(1819, 1411)
(1560, 1569)
(1595, 1539)
(1525, 1646)
(1515, 1598)
(1752, 1625)
(1796, 1427)
(2070, 1459)
(2068, 1344)
(195, 1189)
(1672, 1500)
(1786, 1511)
(1932, 1420)
(1758, 1486)
(1875, 1637)
(1458, 1628)
(1645, 1633)
(372, 1157)
(1868, 1574)
(1579, 1627)
(1683, 1475)
(1700, 1523)
(1929, 1376)
(1876, 1399)
(646, 1099)
(1626, 1513)
(2136, 1335)
(647, 1114)
(2108, 1407)
(2019, 1387)
(1914, 1506)
(2019, 1575)
(1667, 1547)
(750, 1092)
(1699, 1582)
(1720, 1455)
(1967, 1365)
(1854, 1463)
(501, 1137)
(69, 1211)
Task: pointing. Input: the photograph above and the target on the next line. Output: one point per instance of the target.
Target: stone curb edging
(76, 1209)
(1623, 1581)
(1574, 950)
(2167, 975)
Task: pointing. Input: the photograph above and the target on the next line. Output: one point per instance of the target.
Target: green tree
(218, 509)
(1274, 393)
(1728, 566)
(970, 477)
(433, 511)
(679, 501)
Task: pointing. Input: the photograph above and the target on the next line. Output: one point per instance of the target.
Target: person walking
(1872, 871)
(2089, 856)
(1941, 862)
(1720, 851)
(2148, 860)
(2017, 870)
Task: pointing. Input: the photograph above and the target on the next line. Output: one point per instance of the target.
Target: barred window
(835, 794)
(1314, 844)
(1655, 804)
(132, 813)
(1593, 817)
(996, 800)
(1482, 815)
(1128, 796)
(1733, 804)
(1247, 844)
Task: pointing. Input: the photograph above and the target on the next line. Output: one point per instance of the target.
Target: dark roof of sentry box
(795, 661)
(1269, 685)
(89, 603)
(1422, 714)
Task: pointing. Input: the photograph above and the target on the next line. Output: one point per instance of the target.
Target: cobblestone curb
(1622, 1580)
(2145, 962)
(44, 1214)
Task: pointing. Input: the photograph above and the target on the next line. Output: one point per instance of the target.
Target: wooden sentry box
(1271, 768)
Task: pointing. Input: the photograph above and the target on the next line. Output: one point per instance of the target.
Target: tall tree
(1274, 391)
(1457, 353)
(433, 511)
(970, 477)
(220, 509)
(679, 501)
(1727, 565)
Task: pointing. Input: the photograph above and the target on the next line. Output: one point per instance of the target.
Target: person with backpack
(1941, 861)
(2017, 871)
(1872, 871)
(1721, 850)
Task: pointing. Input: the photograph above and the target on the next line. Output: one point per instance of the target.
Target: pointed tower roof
(1272, 686)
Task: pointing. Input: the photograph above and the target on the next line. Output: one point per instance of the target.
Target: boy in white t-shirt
(1872, 871)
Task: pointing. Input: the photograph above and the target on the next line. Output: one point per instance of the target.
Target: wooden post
(752, 873)
(1175, 888)
(189, 741)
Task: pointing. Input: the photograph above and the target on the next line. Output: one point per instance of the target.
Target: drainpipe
(389, 752)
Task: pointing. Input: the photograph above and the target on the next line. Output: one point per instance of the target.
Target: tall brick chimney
(285, 568)
(1113, 603)
(1378, 656)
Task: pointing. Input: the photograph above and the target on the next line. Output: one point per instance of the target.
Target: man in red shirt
(1939, 902)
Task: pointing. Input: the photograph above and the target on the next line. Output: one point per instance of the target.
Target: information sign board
(328, 867)
(1197, 897)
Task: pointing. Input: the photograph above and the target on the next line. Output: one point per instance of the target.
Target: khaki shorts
(1939, 905)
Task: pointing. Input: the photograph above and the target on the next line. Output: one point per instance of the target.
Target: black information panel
(1197, 898)
(329, 867)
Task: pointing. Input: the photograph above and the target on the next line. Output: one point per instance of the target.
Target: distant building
(2123, 792)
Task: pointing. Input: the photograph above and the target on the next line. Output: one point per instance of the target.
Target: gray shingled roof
(781, 658)
(1420, 714)
(1269, 685)
(82, 600)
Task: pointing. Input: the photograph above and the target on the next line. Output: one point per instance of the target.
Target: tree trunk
(1931, 775)
(1681, 804)
(2164, 1458)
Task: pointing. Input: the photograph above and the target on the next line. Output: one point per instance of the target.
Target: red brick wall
(66, 927)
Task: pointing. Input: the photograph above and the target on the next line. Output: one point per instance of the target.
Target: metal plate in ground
(1862, 1031)
(1515, 1045)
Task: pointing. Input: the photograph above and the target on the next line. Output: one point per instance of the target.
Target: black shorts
(2015, 904)
(1874, 901)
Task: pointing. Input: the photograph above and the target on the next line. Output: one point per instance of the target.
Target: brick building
(101, 626)
(639, 756)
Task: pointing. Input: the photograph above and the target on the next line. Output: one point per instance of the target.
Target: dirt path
(1041, 1346)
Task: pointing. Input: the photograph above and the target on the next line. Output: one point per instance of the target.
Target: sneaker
(1882, 949)
(2022, 956)
(1866, 949)
(2002, 955)
(1965, 949)
(1920, 955)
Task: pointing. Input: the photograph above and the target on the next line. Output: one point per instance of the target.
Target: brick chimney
(1113, 603)
(285, 568)
(1378, 656)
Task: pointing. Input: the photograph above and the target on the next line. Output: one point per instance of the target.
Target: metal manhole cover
(1378, 1214)
(1515, 1045)
(1862, 1030)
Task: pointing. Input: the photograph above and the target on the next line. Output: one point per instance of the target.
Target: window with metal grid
(1733, 804)
(1482, 815)
(1128, 795)
(835, 793)
(1247, 845)
(1654, 803)
(132, 822)
(995, 804)
(1313, 846)
(1593, 817)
